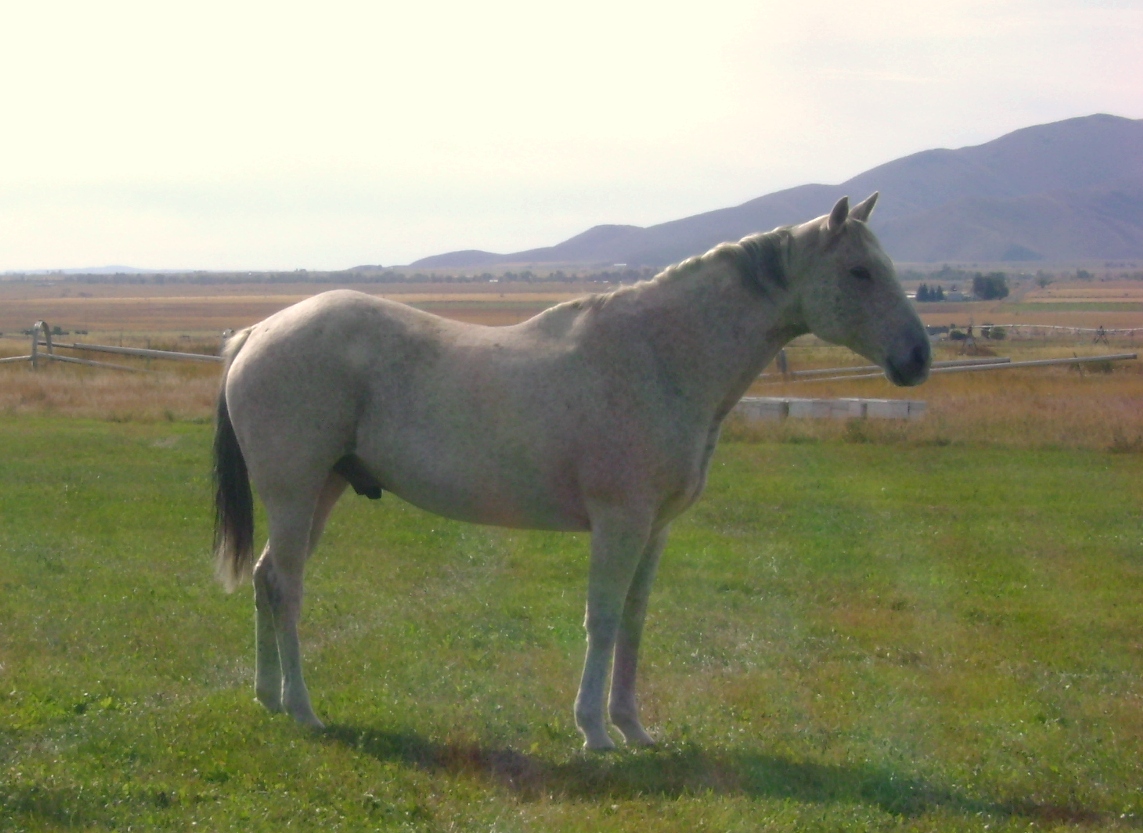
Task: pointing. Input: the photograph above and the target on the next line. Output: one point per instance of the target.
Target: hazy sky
(286, 135)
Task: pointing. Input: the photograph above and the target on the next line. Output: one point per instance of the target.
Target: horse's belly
(476, 485)
(485, 504)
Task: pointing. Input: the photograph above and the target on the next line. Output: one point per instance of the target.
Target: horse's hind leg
(278, 580)
(622, 708)
(268, 681)
(268, 668)
(332, 490)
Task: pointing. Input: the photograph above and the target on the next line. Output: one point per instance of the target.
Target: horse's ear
(863, 209)
(838, 216)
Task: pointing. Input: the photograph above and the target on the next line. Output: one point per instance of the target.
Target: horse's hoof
(599, 744)
(270, 703)
(310, 721)
(633, 732)
(599, 750)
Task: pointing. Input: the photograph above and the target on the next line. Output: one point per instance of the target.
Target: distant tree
(930, 294)
(990, 287)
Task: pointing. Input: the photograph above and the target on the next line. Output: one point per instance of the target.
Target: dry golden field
(1099, 406)
(1096, 407)
(1109, 303)
(201, 309)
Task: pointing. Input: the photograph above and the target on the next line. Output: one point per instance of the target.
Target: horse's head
(848, 294)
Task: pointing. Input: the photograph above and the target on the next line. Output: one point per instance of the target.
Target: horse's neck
(713, 329)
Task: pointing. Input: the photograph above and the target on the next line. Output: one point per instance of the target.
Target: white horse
(598, 414)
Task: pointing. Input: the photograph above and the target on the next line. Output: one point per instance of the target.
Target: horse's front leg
(617, 544)
(622, 708)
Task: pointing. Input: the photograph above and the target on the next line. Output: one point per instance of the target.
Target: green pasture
(842, 637)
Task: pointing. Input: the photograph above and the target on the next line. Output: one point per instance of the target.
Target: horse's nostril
(912, 367)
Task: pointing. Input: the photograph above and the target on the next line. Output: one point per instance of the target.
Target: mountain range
(1066, 191)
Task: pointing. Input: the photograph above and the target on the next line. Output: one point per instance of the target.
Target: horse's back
(517, 426)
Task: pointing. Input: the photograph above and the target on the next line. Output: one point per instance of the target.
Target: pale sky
(283, 135)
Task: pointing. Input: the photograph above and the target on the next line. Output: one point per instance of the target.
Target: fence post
(41, 325)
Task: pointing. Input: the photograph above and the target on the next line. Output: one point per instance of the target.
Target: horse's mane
(757, 260)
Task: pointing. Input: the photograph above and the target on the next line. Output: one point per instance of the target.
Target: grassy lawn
(843, 636)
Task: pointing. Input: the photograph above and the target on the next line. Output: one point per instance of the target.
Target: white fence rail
(776, 408)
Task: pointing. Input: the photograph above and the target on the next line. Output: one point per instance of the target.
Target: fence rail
(778, 408)
(139, 351)
(42, 337)
(837, 371)
(994, 365)
(839, 374)
(1111, 331)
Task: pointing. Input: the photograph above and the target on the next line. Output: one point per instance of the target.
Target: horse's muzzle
(910, 366)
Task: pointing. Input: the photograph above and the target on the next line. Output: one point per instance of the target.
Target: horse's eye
(861, 273)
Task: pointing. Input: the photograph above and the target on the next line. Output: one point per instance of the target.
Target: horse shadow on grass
(674, 771)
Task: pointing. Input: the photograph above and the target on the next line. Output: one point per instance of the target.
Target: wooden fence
(808, 375)
(750, 408)
(844, 374)
(767, 408)
(42, 337)
(1049, 330)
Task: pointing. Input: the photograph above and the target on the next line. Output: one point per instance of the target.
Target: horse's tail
(233, 500)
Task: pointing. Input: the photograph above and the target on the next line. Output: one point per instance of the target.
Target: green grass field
(843, 637)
